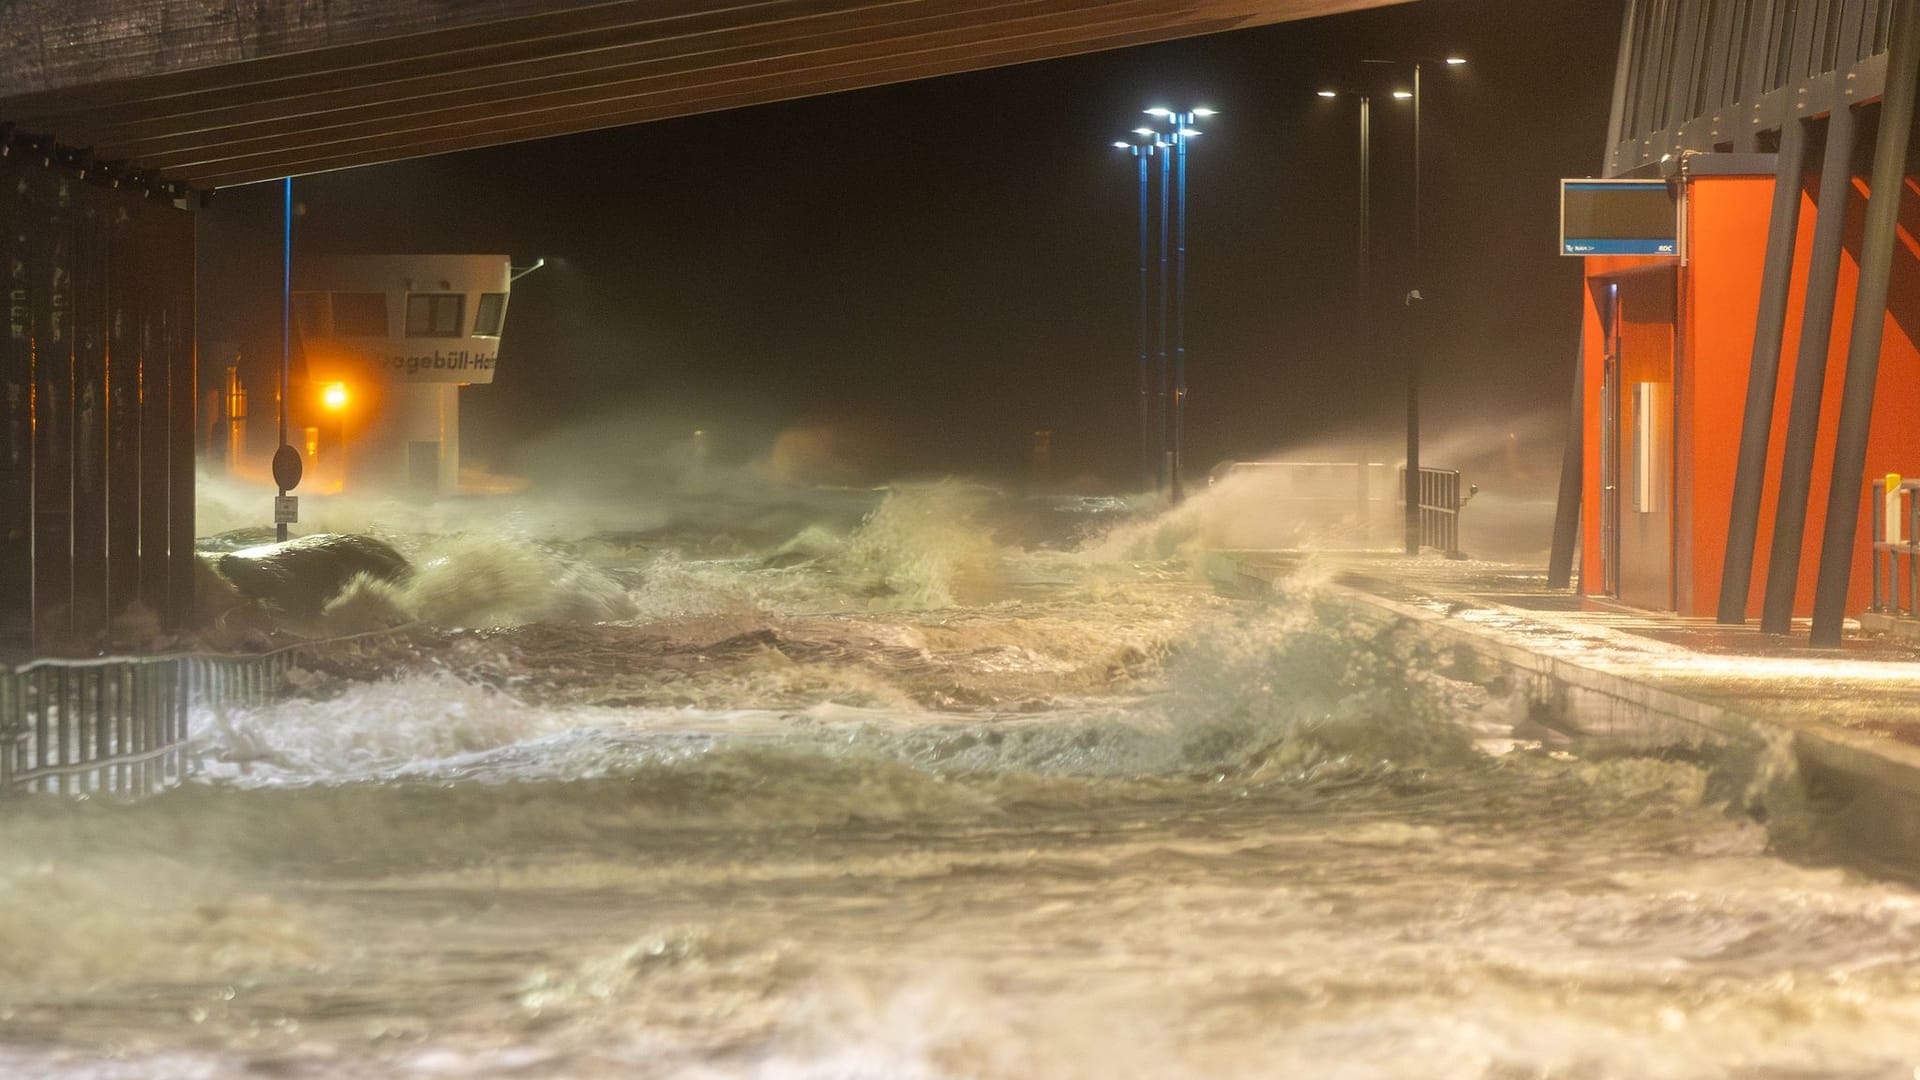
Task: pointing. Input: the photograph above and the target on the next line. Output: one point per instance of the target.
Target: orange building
(1713, 379)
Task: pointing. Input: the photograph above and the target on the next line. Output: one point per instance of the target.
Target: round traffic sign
(286, 468)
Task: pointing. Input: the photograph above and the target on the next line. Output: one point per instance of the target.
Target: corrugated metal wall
(96, 493)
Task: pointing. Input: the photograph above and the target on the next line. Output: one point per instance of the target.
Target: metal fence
(1329, 494)
(119, 725)
(1896, 550)
(1440, 503)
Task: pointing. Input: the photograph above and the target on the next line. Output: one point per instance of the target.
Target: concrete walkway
(1594, 670)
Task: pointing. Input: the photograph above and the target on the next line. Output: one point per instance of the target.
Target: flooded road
(923, 784)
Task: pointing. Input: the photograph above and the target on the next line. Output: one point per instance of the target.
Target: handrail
(134, 658)
(118, 725)
(1359, 489)
(1889, 547)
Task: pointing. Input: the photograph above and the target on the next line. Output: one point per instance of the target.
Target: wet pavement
(1869, 687)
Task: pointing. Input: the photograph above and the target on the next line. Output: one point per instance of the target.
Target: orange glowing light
(334, 397)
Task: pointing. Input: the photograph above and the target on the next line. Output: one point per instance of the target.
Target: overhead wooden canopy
(213, 93)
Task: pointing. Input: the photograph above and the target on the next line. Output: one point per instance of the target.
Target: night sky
(941, 267)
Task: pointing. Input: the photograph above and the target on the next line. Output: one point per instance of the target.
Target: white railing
(118, 725)
(1896, 546)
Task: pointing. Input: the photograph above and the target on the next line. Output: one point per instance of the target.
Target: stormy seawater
(923, 783)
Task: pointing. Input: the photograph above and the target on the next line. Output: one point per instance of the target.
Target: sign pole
(286, 460)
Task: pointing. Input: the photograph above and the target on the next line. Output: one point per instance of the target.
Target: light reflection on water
(1012, 814)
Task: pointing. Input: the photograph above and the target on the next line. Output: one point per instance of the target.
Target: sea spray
(480, 580)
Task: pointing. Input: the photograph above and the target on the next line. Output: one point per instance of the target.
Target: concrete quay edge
(1877, 779)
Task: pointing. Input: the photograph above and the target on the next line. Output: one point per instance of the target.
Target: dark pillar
(1809, 373)
(1566, 512)
(49, 225)
(150, 221)
(1869, 318)
(123, 409)
(16, 428)
(1415, 340)
(183, 378)
(1763, 373)
(89, 413)
(96, 388)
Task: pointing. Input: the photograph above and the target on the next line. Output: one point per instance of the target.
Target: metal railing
(1896, 551)
(118, 725)
(1326, 493)
(1440, 503)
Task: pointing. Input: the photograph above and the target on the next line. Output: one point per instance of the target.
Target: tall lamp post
(1181, 127)
(1414, 298)
(1363, 286)
(1143, 150)
(283, 452)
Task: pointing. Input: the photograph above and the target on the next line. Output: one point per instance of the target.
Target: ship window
(360, 314)
(434, 314)
(310, 314)
(488, 315)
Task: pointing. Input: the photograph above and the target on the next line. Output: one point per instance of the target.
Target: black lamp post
(1413, 300)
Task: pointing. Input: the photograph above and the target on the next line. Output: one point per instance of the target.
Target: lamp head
(1327, 93)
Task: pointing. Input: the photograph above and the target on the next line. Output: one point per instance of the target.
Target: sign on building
(1618, 217)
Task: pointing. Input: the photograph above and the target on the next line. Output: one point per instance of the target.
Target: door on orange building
(1637, 436)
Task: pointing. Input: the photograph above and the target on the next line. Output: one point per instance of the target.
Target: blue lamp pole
(1181, 127)
(1143, 151)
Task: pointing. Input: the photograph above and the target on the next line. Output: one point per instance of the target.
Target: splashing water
(892, 793)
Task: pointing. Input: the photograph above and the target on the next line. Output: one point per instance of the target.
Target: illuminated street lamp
(334, 399)
(1181, 126)
(1144, 146)
(1414, 297)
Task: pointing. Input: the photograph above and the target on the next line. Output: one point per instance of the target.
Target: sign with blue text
(1618, 217)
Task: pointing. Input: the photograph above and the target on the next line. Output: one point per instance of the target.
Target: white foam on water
(878, 792)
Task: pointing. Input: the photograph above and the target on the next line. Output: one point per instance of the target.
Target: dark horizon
(942, 267)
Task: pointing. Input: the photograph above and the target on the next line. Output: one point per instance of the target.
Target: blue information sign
(1618, 217)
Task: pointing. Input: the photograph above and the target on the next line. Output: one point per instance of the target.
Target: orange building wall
(1719, 295)
(1718, 300)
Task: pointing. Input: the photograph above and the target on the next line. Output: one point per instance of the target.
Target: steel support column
(151, 272)
(1176, 486)
(1763, 373)
(96, 487)
(1142, 154)
(1809, 372)
(177, 288)
(49, 226)
(1162, 465)
(124, 283)
(1869, 318)
(16, 428)
(1566, 511)
(90, 274)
